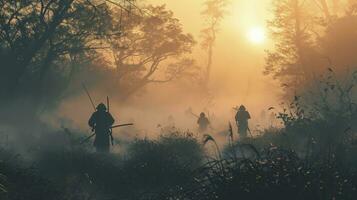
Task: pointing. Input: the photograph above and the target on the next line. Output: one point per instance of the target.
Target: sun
(256, 35)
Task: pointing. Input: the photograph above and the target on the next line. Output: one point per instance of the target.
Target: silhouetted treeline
(49, 48)
(309, 37)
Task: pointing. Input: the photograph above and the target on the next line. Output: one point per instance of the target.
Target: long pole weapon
(116, 126)
(121, 125)
(195, 115)
(90, 98)
(91, 101)
(250, 132)
(110, 129)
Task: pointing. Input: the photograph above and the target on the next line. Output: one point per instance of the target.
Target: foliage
(23, 182)
(146, 170)
(318, 124)
(293, 43)
(153, 49)
(277, 174)
(42, 39)
(306, 43)
(49, 48)
(159, 166)
(173, 167)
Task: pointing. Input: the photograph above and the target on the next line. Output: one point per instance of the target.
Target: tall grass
(22, 182)
(311, 157)
(277, 174)
(147, 168)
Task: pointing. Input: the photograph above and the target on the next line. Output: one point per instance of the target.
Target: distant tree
(295, 60)
(330, 9)
(289, 60)
(323, 5)
(309, 40)
(153, 49)
(213, 14)
(352, 6)
(339, 42)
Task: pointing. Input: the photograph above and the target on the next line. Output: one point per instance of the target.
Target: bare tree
(289, 28)
(153, 49)
(325, 8)
(41, 38)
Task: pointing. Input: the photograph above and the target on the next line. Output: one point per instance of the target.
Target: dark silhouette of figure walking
(101, 122)
(203, 123)
(242, 118)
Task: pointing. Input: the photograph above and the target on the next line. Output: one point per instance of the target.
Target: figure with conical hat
(203, 123)
(101, 121)
(242, 118)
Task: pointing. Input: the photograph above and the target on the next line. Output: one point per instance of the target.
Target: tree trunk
(29, 53)
(299, 42)
(210, 55)
(209, 64)
(326, 10)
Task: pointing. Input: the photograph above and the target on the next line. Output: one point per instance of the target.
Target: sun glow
(256, 35)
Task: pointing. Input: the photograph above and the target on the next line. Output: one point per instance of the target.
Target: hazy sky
(234, 52)
(238, 62)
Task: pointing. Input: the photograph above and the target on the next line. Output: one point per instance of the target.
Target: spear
(110, 130)
(250, 132)
(121, 125)
(90, 98)
(116, 126)
(190, 112)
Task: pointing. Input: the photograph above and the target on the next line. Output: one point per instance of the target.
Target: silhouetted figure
(242, 118)
(203, 123)
(101, 121)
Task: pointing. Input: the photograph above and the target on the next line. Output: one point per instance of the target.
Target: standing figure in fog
(242, 118)
(203, 123)
(101, 122)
